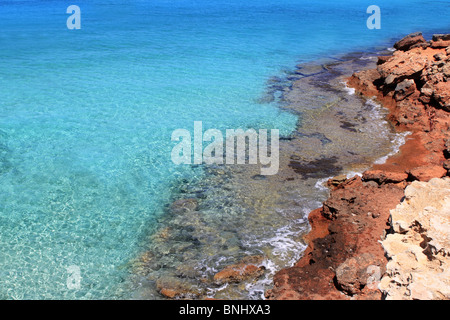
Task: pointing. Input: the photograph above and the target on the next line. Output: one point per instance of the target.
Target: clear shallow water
(86, 115)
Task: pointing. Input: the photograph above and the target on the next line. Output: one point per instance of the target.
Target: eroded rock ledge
(344, 258)
(418, 250)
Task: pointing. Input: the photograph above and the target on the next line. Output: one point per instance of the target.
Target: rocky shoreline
(225, 234)
(361, 246)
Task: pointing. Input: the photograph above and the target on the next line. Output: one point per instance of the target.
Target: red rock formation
(344, 258)
(347, 226)
(412, 40)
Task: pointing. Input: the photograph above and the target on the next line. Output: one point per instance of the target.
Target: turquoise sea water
(86, 115)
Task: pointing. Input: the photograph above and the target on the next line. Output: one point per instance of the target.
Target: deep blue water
(86, 115)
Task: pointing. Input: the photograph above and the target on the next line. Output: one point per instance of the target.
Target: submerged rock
(182, 205)
(316, 168)
(172, 287)
(249, 267)
(308, 70)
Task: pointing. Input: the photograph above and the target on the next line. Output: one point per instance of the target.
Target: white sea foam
(284, 244)
(256, 290)
(212, 291)
(352, 174)
(347, 89)
(377, 124)
(398, 141)
(285, 249)
(381, 126)
(368, 58)
(321, 184)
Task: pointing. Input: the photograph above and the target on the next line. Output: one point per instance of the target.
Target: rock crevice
(419, 248)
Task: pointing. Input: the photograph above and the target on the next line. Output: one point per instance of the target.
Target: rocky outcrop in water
(211, 240)
(201, 246)
(248, 268)
(344, 258)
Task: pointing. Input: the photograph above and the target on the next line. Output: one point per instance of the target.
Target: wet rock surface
(248, 267)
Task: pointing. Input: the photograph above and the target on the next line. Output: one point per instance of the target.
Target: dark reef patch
(319, 168)
(348, 126)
